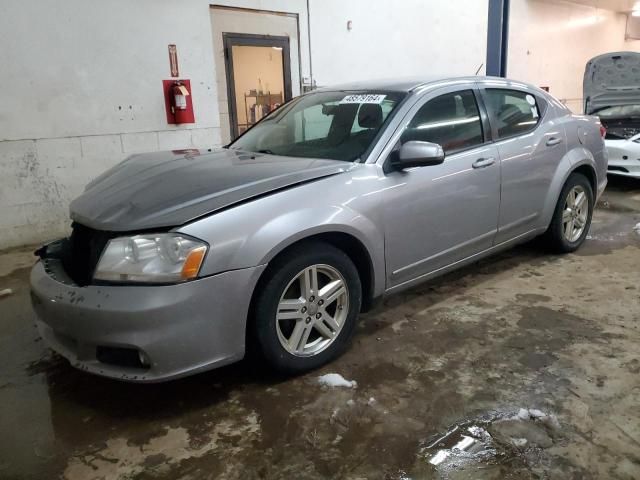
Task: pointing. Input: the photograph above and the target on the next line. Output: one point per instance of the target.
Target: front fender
(315, 221)
(253, 233)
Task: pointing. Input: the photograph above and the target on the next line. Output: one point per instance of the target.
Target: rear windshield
(333, 125)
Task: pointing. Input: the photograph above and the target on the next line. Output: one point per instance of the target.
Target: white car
(622, 139)
(612, 92)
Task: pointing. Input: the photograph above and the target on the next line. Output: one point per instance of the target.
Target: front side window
(451, 120)
(514, 112)
(332, 125)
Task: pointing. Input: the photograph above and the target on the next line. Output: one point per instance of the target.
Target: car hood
(167, 189)
(611, 80)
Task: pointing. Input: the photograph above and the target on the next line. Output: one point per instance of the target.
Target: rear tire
(572, 216)
(306, 308)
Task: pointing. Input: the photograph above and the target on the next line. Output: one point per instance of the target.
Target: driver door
(438, 215)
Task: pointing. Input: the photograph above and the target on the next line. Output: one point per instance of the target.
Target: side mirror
(417, 154)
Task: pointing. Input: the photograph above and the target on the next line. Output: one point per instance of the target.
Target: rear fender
(572, 160)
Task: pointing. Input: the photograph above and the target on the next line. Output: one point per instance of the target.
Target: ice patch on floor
(336, 380)
(535, 414)
(519, 442)
(462, 446)
(485, 442)
(608, 238)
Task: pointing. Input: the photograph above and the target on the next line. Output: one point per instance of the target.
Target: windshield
(621, 111)
(333, 125)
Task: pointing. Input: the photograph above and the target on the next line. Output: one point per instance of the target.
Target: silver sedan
(179, 263)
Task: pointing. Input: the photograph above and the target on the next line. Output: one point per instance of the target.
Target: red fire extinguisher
(178, 101)
(179, 94)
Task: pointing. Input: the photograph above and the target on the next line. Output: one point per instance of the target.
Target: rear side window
(513, 112)
(451, 120)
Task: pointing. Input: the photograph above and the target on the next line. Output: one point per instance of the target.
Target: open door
(258, 77)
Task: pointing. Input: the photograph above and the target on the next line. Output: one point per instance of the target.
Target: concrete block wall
(85, 92)
(39, 178)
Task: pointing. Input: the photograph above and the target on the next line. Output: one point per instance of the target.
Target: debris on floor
(336, 380)
(535, 414)
(6, 292)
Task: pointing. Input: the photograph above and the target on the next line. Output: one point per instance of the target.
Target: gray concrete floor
(528, 360)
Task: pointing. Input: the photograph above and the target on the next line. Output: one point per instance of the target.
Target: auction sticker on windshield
(363, 98)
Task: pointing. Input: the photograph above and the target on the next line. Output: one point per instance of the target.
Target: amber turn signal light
(193, 263)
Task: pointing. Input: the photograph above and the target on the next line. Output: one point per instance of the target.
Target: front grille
(85, 247)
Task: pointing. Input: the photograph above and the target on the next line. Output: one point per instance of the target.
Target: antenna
(481, 65)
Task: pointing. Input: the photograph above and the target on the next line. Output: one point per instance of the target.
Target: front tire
(306, 307)
(572, 217)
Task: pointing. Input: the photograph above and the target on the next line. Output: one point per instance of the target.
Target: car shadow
(619, 183)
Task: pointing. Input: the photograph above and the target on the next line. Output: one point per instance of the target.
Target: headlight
(154, 258)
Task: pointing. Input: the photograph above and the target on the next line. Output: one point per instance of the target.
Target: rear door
(530, 143)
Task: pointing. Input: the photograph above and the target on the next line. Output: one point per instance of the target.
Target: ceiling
(615, 5)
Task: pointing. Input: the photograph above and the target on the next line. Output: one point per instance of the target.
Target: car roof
(404, 84)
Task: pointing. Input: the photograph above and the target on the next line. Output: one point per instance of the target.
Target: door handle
(553, 141)
(483, 162)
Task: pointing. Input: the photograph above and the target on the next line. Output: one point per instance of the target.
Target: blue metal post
(497, 37)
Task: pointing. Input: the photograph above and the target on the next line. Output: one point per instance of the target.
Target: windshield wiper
(268, 152)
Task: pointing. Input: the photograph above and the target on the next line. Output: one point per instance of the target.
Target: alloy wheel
(575, 213)
(312, 310)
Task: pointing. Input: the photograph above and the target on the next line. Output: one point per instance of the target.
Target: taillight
(603, 131)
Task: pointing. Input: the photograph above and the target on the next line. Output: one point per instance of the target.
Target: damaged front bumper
(143, 333)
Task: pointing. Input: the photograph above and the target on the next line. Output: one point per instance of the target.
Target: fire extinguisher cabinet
(178, 101)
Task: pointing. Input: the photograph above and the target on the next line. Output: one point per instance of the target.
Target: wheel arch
(576, 161)
(589, 172)
(352, 246)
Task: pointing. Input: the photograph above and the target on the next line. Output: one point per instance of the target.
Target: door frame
(249, 39)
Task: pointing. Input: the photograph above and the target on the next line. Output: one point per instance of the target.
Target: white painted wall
(551, 41)
(82, 81)
(397, 38)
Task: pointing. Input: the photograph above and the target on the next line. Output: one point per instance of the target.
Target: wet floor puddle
(499, 445)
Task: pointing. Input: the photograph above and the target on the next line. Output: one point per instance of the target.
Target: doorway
(258, 77)
(263, 30)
